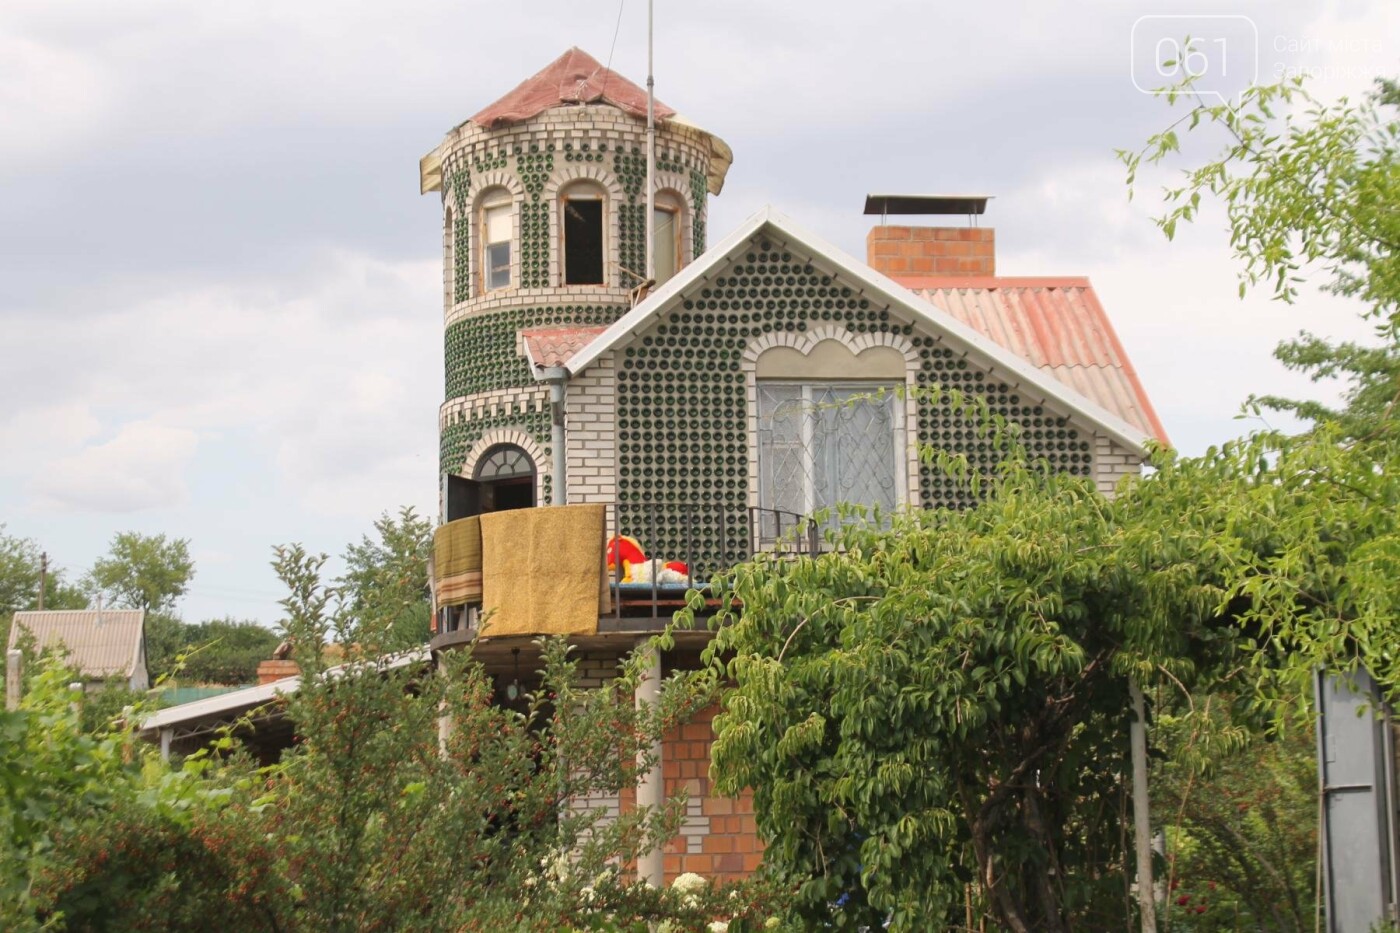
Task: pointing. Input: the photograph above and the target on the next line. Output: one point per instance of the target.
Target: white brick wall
(590, 433)
(594, 671)
(1112, 462)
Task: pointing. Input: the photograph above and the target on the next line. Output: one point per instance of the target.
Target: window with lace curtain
(824, 443)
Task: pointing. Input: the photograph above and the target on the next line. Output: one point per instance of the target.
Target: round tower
(544, 204)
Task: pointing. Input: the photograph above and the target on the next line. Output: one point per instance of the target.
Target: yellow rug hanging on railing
(457, 562)
(543, 571)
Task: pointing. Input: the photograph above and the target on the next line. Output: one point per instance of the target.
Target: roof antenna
(651, 153)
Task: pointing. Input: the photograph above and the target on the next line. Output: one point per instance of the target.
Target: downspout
(558, 378)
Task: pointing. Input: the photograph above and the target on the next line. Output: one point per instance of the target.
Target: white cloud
(334, 379)
(51, 98)
(143, 467)
(36, 433)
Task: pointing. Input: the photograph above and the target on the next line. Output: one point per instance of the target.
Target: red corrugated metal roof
(571, 79)
(553, 346)
(1056, 323)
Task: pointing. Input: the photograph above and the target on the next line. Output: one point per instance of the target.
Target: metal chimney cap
(964, 204)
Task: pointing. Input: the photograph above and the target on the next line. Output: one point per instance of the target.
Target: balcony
(651, 557)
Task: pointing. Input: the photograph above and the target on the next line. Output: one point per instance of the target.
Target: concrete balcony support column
(651, 791)
(447, 723)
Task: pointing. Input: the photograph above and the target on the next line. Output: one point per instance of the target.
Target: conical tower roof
(572, 79)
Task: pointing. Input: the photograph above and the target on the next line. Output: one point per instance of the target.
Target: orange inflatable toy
(626, 549)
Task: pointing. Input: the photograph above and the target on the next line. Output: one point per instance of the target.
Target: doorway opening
(506, 475)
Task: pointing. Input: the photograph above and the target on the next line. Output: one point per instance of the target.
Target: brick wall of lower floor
(718, 839)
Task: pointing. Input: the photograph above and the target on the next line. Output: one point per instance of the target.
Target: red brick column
(719, 839)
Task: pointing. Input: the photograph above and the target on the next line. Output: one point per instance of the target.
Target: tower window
(582, 226)
(666, 236)
(495, 245)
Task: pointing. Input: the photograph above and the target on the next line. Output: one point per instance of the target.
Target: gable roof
(1056, 323)
(1013, 368)
(100, 642)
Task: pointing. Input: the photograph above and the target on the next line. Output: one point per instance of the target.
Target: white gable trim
(990, 355)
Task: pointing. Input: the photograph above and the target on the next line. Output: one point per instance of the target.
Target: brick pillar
(929, 251)
(651, 786)
(271, 670)
(719, 839)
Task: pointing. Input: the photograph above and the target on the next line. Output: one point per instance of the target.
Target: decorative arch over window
(503, 478)
(583, 208)
(496, 233)
(831, 419)
(667, 226)
(504, 461)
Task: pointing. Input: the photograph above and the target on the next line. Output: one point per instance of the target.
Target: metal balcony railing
(706, 537)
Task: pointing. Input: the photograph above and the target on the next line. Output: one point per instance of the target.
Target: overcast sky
(220, 290)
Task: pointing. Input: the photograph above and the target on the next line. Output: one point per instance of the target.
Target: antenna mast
(650, 221)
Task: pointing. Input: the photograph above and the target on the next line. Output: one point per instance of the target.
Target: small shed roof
(547, 347)
(100, 642)
(205, 716)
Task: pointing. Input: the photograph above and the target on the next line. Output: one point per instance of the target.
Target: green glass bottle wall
(682, 407)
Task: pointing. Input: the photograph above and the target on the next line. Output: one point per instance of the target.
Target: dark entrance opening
(583, 241)
(509, 494)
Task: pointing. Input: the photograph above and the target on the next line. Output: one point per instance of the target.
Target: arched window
(666, 226)
(504, 461)
(507, 477)
(582, 222)
(497, 226)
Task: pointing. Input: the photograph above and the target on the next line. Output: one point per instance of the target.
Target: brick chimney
(931, 251)
(275, 669)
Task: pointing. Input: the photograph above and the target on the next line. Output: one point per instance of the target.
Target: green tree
(1371, 384)
(937, 708)
(1313, 187)
(371, 822)
(1305, 185)
(20, 570)
(166, 638)
(1240, 807)
(1307, 188)
(386, 577)
(225, 651)
(19, 573)
(52, 776)
(147, 572)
